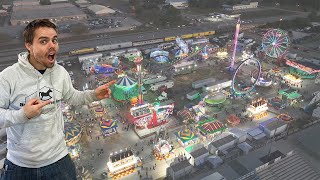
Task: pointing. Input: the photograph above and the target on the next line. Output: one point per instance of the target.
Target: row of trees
(313, 4)
(156, 12)
(296, 23)
(212, 3)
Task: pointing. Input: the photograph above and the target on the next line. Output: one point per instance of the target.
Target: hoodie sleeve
(8, 117)
(75, 97)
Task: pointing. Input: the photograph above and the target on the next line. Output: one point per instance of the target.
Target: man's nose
(52, 44)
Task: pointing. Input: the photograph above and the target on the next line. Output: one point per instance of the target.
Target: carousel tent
(108, 127)
(125, 89)
(186, 135)
(72, 132)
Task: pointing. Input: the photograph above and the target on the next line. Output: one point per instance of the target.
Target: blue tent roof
(125, 81)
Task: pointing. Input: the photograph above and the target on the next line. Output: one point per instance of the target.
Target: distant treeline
(313, 4)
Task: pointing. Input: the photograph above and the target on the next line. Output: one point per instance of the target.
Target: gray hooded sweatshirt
(39, 141)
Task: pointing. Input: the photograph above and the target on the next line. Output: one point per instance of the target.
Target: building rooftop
(199, 152)
(50, 11)
(214, 176)
(96, 8)
(272, 123)
(254, 132)
(223, 141)
(288, 168)
(180, 165)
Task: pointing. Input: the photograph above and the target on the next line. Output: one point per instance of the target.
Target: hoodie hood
(25, 65)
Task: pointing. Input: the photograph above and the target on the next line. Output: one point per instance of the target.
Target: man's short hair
(28, 32)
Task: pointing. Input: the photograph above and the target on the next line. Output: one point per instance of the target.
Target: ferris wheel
(275, 43)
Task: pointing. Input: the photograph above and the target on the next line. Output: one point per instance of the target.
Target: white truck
(168, 84)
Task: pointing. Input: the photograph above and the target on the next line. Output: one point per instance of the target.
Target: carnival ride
(276, 103)
(275, 43)
(198, 47)
(235, 41)
(102, 69)
(146, 115)
(265, 80)
(133, 54)
(284, 117)
(204, 53)
(162, 149)
(72, 133)
(233, 120)
(160, 56)
(183, 49)
(125, 89)
(241, 80)
(150, 115)
(108, 127)
(138, 62)
(215, 99)
(305, 70)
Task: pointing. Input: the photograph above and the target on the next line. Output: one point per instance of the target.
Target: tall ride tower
(231, 67)
(138, 62)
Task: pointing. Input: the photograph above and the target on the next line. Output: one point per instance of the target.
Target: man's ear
(28, 46)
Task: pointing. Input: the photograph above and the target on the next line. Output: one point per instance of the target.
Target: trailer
(89, 57)
(200, 41)
(214, 86)
(147, 42)
(184, 67)
(203, 82)
(118, 53)
(113, 46)
(154, 79)
(166, 45)
(168, 84)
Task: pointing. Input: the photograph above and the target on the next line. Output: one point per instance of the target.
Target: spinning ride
(241, 81)
(160, 56)
(264, 80)
(275, 43)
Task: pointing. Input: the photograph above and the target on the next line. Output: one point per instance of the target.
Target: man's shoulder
(9, 71)
(59, 68)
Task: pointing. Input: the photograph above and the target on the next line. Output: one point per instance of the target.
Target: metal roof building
(100, 10)
(56, 12)
(292, 167)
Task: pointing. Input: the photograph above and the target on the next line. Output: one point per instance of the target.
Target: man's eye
(43, 42)
(55, 41)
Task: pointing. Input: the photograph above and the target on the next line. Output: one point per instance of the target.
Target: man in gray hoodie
(31, 92)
